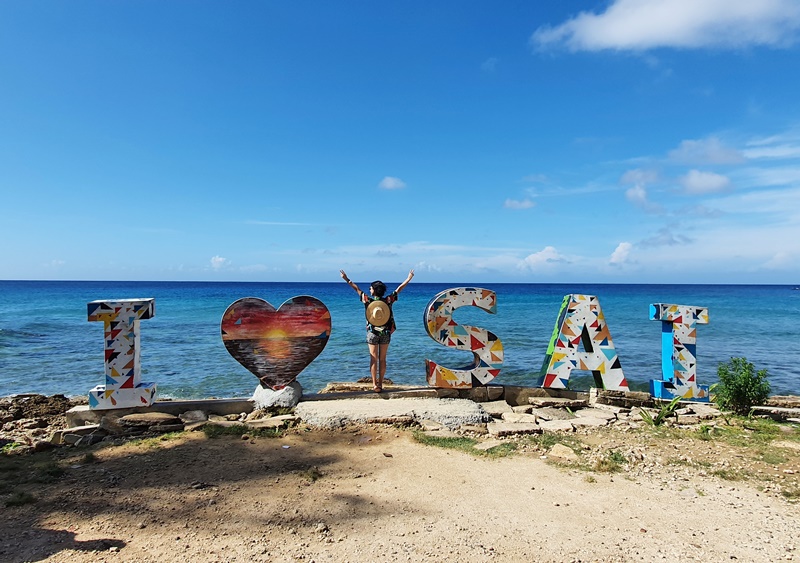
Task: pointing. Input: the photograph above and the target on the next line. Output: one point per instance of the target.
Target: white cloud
(518, 204)
(781, 205)
(639, 25)
(253, 268)
(424, 266)
(638, 195)
(698, 182)
(278, 223)
(763, 177)
(775, 152)
(639, 176)
(666, 237)
(392, 183)
(546, 256)
(781, 261)
(621, 253)
(705, 151)
(535, 178)
(489, 65)
(218, 262)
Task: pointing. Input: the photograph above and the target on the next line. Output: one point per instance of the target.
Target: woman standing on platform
(380, 324)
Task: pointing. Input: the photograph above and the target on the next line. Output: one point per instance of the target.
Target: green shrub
(740, 386)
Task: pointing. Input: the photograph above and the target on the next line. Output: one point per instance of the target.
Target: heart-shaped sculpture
(275, 345)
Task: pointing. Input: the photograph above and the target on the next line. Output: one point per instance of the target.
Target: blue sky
(630, 141)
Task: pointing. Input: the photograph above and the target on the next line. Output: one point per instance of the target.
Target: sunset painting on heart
(275, 345)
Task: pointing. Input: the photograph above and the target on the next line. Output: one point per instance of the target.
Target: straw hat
(378, 313)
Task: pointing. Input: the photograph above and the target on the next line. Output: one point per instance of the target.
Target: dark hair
(378, 288)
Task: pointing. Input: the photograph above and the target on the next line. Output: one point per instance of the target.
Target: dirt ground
(375, 493)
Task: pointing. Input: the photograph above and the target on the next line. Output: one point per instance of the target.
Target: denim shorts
(379, 337)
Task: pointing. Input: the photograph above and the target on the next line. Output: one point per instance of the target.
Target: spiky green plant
(665, 411)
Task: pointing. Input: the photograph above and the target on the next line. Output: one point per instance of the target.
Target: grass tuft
(46, 472)
(216, 431)
(10, 447)
(311, 474)
(612, 462)
(20, 498)
(791, 493)
(464, 444)
(727, 474)
(155, 442)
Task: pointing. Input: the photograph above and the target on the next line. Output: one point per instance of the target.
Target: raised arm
(350, 283)
(402, 286)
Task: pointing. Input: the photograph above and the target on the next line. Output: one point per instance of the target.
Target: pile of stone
(509, 410)
(533, 411)
(27, 420)
(113, 424)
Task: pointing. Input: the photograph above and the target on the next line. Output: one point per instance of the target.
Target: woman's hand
(344, 276)
(405, 283)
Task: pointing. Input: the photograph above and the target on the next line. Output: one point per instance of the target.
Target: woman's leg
(383, 348)
(374, 355)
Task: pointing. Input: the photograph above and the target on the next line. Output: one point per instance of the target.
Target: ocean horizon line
(459, 283)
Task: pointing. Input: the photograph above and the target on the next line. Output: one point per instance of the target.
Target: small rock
(289, 396)
(431, 425)
(272, 422)
(518, 417)
(563, 452)
(474, 428)
(193, 416)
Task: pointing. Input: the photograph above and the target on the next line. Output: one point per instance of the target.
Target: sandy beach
(375, 493)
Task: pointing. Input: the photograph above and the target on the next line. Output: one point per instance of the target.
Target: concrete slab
(451, 413)
(501, 428)
(560, 402)
(556, 425)
(595, 413)
(589, 422)
(497, 408)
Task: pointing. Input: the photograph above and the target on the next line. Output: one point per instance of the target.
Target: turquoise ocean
(47, 345)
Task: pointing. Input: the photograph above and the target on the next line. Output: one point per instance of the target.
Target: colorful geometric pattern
(486, 348)
(123, 389)
(276, 345)
(581, 321)
(678, 352)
